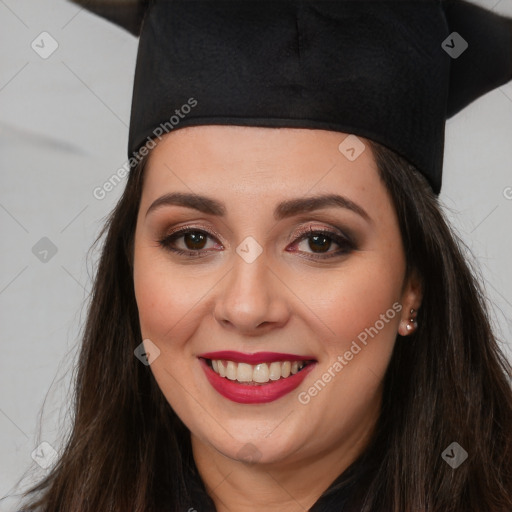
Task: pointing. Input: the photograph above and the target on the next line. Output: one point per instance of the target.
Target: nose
(252, 299)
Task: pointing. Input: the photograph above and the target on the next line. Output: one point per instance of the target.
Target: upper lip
(256, 358)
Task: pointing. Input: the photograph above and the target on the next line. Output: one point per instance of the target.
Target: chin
(254, 449)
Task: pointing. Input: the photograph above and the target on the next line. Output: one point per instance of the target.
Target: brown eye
(192, 241)
(320, 241)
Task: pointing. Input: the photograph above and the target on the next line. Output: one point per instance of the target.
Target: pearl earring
(412, 321)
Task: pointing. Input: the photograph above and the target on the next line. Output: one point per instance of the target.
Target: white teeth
(244, 372)
(275, 370)
(231, 370)
(259, 373)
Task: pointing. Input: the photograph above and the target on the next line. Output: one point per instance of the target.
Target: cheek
(358, 299)
(164, 298)
(362, 310)
(164, 313)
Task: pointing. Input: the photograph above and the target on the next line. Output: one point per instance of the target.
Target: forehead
(236, 163)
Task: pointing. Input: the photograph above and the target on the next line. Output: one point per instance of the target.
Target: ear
(412, 296)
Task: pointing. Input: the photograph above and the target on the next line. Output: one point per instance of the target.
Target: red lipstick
(258, 357)
(252, 393)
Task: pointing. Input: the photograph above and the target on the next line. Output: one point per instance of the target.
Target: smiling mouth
(256, 374)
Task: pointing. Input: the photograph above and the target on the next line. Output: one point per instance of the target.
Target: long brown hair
(448, 382)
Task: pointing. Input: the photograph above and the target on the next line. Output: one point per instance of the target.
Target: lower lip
(254, 394)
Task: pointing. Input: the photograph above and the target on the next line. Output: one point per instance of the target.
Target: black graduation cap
(389, 70)
(125, 13)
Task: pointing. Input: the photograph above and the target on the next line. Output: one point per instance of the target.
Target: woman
(281, 317)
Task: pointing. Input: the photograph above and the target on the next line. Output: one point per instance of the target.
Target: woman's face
(259, 295)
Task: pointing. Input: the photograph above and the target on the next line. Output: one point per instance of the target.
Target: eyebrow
(283, 210)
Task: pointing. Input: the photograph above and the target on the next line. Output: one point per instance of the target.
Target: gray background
(63, 132)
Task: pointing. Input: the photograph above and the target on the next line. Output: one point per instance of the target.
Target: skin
(284, 301)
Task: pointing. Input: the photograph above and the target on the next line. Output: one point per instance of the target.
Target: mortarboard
(392, 71)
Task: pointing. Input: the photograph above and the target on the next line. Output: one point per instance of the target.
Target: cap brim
(127, 14)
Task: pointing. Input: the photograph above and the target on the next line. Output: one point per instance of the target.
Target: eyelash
(344, 242)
